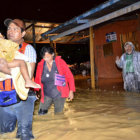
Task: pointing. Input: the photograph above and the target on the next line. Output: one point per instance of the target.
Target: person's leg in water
(7, 119)
(5, 68)
(24, 115)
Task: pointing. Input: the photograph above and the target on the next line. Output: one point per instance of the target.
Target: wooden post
(55, 48)
(138, 33)
(92, 58)
(33, 29)
(51, 43)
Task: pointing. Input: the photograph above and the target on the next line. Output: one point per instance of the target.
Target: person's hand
(3, 63)
(38, 94)
(4, 66)
(71, 95)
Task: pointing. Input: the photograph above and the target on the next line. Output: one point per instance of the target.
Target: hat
(18, 22)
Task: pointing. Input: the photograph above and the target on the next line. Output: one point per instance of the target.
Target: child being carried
(13, 65)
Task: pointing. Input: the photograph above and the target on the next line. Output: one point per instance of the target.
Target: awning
(107, 11)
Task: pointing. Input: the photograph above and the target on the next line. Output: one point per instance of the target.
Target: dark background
(56, 11)
(71, 53)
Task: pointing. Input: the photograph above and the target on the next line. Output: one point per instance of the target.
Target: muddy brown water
(92, 115)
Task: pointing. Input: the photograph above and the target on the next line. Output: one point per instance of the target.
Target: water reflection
(92, 115)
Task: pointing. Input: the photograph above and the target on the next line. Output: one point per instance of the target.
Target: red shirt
(63, 69)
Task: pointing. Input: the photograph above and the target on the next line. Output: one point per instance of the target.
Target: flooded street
(92, 115)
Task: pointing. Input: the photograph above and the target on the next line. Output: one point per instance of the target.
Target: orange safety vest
(8, 85)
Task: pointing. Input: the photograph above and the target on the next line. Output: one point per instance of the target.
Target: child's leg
(4, 66)
(24, 72)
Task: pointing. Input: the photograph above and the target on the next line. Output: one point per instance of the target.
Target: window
(108, 49)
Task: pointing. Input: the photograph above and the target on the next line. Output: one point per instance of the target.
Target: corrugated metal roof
(76, 29)
(115, 7)
(40, 27)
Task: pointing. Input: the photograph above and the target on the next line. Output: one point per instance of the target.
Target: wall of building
(105, 63)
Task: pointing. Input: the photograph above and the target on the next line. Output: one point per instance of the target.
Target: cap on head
(17, 22)
(129, 43)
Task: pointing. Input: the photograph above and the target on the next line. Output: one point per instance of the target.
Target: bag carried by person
(8, 98)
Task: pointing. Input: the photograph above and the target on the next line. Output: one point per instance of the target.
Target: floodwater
(92, 115)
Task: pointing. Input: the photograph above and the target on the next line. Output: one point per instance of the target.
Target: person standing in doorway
(130, 65)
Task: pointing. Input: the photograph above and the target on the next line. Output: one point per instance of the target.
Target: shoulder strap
(22, 49)
(6, 85)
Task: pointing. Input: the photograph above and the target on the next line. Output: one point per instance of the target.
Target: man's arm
(31, 54)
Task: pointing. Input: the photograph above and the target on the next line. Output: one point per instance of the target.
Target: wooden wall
(106, 52)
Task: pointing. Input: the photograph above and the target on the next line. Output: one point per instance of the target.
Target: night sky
(58, 11)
